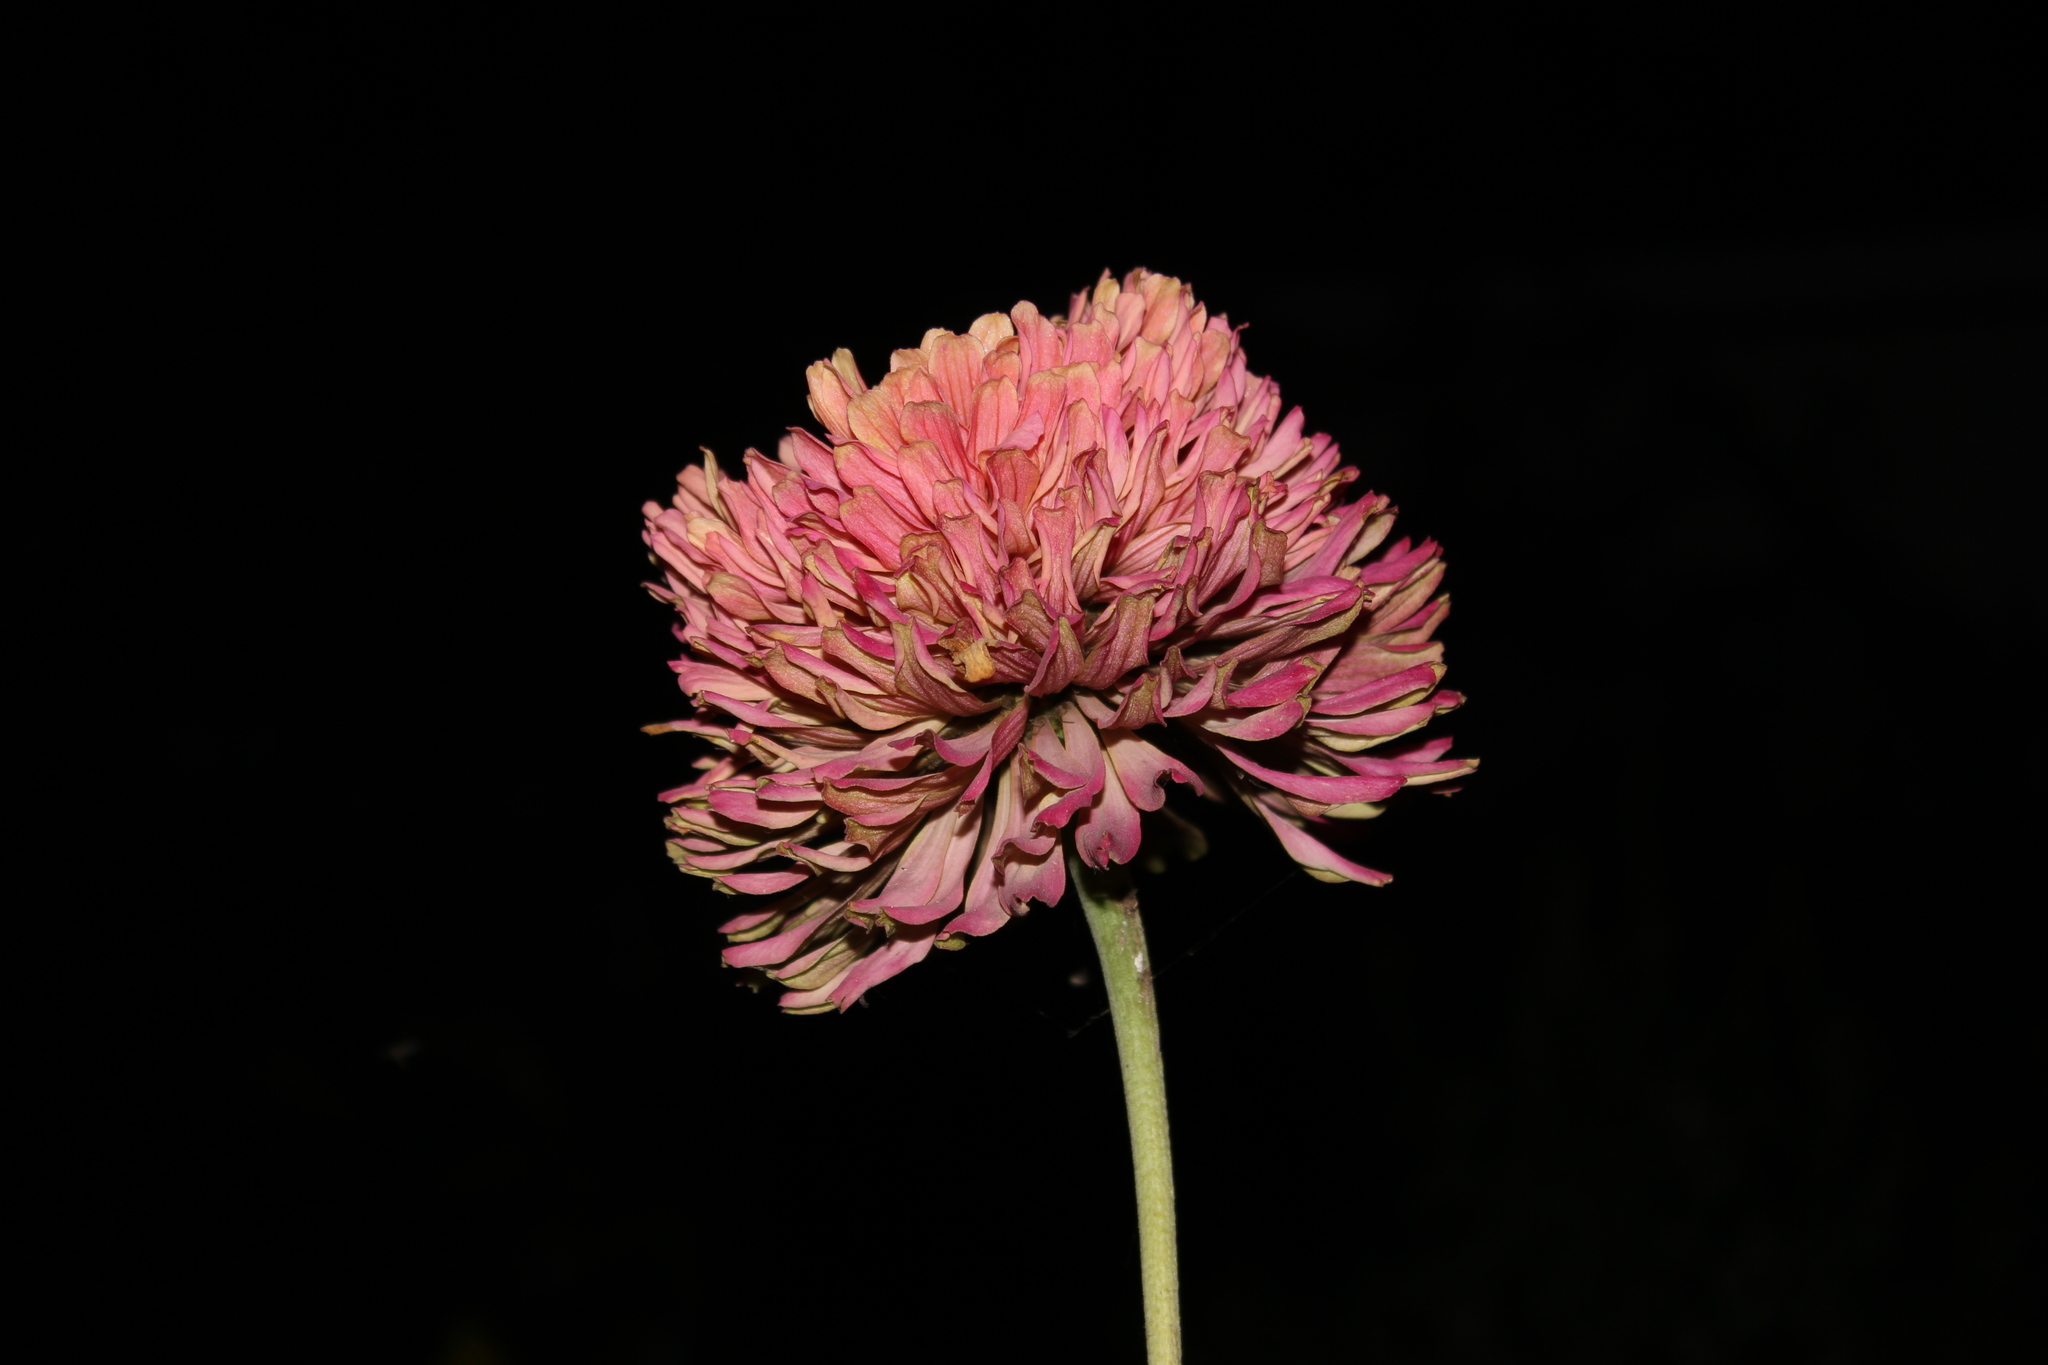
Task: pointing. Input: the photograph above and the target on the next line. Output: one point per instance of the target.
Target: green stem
(1112, 907)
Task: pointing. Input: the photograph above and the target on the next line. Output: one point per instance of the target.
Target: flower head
(978, 620)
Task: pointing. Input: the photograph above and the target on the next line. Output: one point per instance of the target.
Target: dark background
(1701, 1026)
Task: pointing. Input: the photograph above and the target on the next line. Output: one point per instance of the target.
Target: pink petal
(1270, 723)
(1108, 831)
(754, 715)
(1283, 685)
(831, 858)
(763, 952)
(728, 858)
(1017, 868)
(1124, 646)
(927, 882)
(1008, 730)
(739, 924)
(1333, 791)
(763, 883)
(746, 806)
(1412, 771)
(1062, 660)
(815, 1001)
(1318, 858)
(1141, 703)
(1143, 769)
(694, 677)
(876, 524)
(1082, 755)
(1398, 721)
(908, 948)
(1203, 693)
(1380, 691)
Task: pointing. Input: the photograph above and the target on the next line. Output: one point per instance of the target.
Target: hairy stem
(1111, 904)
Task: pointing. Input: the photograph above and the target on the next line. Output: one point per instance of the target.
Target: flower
(964, 628)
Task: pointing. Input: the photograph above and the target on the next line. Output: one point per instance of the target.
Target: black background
(1698, 1027)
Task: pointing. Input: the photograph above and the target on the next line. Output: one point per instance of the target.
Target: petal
(928, 881)
(1082, 755)
(1062, 660)
(1207, 686)
(1334, 791)
(1141, 703)
(754, 714)
(876, 524)
(763, 883)
(1008, 731)
(1412, 771)
(740, 804)
(1108, 831)
(695, 677)
(1019, 867)
(906, 949)
(1284, 684)
(1143, 769)
(1381, 691)
(784, 945)
(1123, 647)
(1270, 723)
(1318, 859)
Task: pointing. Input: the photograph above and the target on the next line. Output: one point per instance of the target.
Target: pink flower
(977, 620)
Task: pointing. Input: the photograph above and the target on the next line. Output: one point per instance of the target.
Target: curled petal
(1108, 831)
(1317, 858)
(1381, 691)
(1062, 660)
(745, 805)
(784, 945)
(1021, 865)
(1072, 760)
(1123, 646)
(929, 878)
(1144, 769)
(696, 678)
(1416, 766)
(762, 883)
(1270, 723)
(903, 951)
(1281, 685)
(1332, 790)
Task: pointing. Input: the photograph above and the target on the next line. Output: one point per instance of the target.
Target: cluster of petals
(996, 609)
